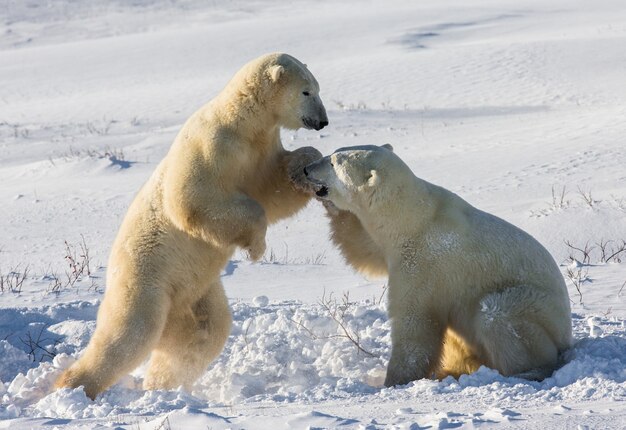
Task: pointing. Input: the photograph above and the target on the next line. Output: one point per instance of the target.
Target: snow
(518, 107)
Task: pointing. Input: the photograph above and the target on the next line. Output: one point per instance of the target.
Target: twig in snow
(578, 276)
(78, 266)
(382, 295)
(586, 252)
(35, 345)
(338, 313)
(558, 199)
(621, 247)
(587, 198)
(14, 279)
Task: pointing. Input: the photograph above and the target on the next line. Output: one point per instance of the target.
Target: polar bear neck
(247, 103)
(245, 112)
(399, 211)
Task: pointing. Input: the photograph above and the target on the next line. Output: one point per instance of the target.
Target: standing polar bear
(465, 287)
(225, 178)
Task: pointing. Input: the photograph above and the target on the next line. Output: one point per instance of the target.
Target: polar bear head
(350, 178)
(281, 86)
(299, 103)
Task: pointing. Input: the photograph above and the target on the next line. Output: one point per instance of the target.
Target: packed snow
(518, 107)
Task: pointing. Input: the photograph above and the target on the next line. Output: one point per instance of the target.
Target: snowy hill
(518, 107)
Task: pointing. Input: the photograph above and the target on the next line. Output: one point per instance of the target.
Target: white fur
(465, 287)
(225, 178)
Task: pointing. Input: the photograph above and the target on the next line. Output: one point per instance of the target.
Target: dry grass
(36, 351)
(271, 257)
(13, 280)
(78, 266)
(337, 311)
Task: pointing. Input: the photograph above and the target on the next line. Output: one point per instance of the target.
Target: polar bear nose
(323, 124)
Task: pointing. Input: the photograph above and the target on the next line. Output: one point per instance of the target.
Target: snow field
(516, 106)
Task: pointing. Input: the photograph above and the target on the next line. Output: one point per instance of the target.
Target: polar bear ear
(374, 178)
(387, 146)
(276, 72)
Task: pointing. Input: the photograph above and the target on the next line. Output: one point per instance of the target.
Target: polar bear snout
(314, 114)
(312, 171)
(315, 174)
(311, 123)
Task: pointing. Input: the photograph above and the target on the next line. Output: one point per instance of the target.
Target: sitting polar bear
(225, 178)
(465, 288)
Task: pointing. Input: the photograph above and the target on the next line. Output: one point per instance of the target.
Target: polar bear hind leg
(457, 358)
(122, 340)
(513, 330)
(190, 341)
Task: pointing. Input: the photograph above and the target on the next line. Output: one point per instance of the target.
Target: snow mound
(294, 353)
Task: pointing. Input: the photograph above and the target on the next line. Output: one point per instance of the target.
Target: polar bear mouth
(322, 191)
(311, 124)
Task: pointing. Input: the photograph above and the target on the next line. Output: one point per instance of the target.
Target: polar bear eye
(306, 93)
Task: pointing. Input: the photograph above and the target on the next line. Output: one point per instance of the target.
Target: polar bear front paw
(395, 378)
(298, 160)
(256, 249)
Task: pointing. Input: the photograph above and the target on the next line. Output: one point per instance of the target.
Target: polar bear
(465, 288)
(225, 178)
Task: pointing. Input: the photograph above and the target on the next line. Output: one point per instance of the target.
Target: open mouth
(322, 191)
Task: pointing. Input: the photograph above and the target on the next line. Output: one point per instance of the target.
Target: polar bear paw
(298, 160)
(256, 249)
